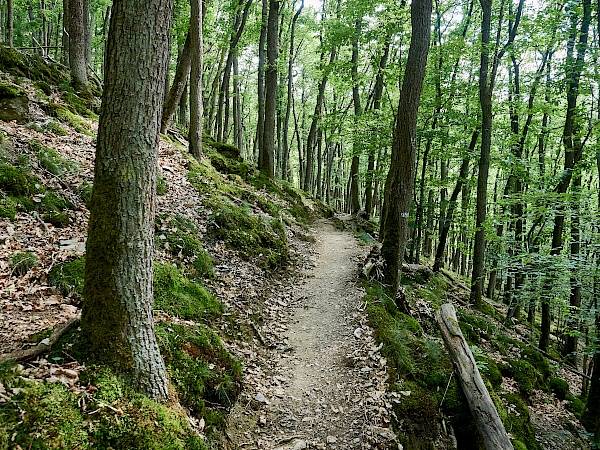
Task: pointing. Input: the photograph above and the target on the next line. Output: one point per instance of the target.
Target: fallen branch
(43, 346)
(481, 405)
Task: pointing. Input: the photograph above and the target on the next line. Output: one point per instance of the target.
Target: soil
(324, 385)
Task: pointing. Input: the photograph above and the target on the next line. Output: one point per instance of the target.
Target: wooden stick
(42, 347)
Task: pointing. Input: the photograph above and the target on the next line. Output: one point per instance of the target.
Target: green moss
(85, 193)
(23, 262)
(523, 373)
(491, 373)
(44, 87)
(33, 67)
(179, 236)
(53, 202)
(8, 208)
(50, 415)
(559, 387)
(79, 105)
(69, 276)
(50, 159)
(178, 296)
(248, 234)
(207, 378)
(55, 128)
(575, 405)
(518, 445)
(475, 326)
(161, 185)
(537, 360)
(66, 114)
(516, 421)
(57, 219)
(456, 407)
(8, 90)
(14, 181)
(419, 414)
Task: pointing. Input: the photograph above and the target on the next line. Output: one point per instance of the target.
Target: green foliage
(491, 373)
(475, 326)
(49, 415)
(161, 185)
(57, 219)
(207, 378)
(23, 262)
(78, 105)
(178, 296)
(419, 411)
(8, 208)
(69, 277)
(537, 360)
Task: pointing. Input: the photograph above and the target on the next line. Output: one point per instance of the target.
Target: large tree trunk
(480, 403)
(9, 23)
(400, 179)
(117, 320)
(266, 159)
(262, 56)
(77, 44)
(196, 105)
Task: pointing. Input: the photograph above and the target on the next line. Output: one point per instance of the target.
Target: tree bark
(480, 403)
(117, 321)
(266, 159)
(262, 56)
(196, 102)
(77, 45)
(182, 72)
(354, 168)
(9, 22)
(400, 179)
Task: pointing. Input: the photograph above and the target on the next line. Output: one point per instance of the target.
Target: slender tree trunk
(77, 41)
(487, 78)
(288, 108)
(356, 148)
(574, 68)
(196, 101)
(182, 73)
(9, 22)
(237, 106)
(117, 320)
(400, 180)
(262, 56)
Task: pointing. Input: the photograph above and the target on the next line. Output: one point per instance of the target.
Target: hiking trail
(325, 387)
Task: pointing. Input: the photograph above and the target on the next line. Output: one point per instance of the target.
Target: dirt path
(325, 387)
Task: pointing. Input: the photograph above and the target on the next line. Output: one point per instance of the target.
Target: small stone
(300, 445)
(260, 397)
(331, 439)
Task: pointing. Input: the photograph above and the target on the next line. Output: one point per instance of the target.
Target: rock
(260, 397)
(300, 445)
(14, 108)
(331, 439)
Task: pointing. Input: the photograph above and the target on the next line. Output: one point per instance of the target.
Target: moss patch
(33, 67)
(14, 181)
(69, 276)
(23, 262)
(516, 421)
(8, 208)
(207, 378)
(178, 296)
(47, 415)
(253, 237)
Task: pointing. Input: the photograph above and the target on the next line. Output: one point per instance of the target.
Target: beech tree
(400, 179)
(77, 43)
(117, 319)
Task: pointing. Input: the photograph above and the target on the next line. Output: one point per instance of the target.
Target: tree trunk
(574, 68)
(117, 320)
(480, 403)
(266, 158)
(400, 179)
(262, 56)
(77, 45)
(9, 22)
(356, 148)
(196, 102)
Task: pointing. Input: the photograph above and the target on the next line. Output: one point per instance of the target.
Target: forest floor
(325, 387)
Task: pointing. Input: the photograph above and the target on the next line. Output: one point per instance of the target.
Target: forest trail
(330, 375)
